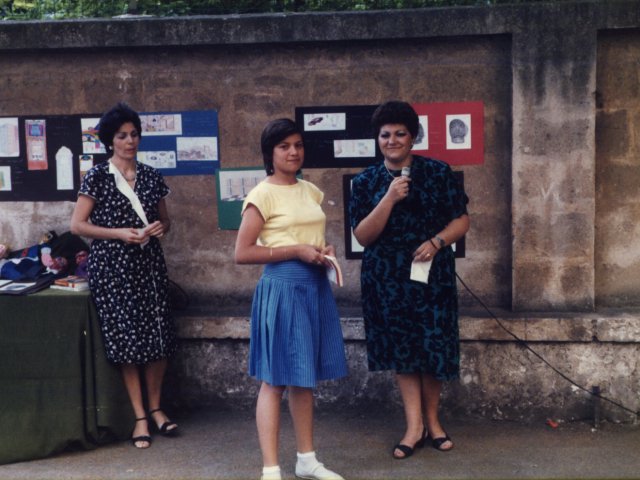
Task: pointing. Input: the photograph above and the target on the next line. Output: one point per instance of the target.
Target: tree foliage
(60, 9)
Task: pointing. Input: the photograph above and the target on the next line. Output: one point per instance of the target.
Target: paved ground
(357, 444)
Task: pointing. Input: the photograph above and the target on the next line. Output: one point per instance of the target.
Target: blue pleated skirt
(296, 337)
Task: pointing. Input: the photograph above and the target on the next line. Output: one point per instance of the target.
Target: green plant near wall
(61, 9)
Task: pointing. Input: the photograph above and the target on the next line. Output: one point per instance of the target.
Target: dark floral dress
(129, 284)
(411, 327)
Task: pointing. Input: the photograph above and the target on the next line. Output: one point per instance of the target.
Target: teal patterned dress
(411, 327)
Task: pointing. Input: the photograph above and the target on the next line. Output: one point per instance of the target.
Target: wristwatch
(441, 242)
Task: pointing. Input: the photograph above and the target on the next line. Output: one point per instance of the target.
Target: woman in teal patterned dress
(411, 326)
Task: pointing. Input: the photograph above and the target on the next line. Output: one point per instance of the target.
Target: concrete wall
(554, 208)
(617, 257)
(250, 84)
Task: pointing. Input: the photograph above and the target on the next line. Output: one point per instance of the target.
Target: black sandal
(407, 450)
(141, 438)
(165, 429)
(438, 442)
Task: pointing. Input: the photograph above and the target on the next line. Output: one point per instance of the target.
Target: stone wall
(555, 207)
(617, 258)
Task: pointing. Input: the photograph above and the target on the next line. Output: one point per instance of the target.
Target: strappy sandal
(168, 428)
(438, 442)
(141, 438)
(406, 449)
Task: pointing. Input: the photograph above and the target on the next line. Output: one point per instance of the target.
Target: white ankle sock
(271, 473)
(307, 460)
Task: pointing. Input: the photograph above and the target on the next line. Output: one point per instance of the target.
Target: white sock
(307, 460)
(271, 473)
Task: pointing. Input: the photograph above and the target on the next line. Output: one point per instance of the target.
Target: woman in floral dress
(121, 206)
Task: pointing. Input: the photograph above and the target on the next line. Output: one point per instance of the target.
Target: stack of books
(72, 283)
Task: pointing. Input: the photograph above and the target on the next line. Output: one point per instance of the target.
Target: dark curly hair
(395, 112)
(274, 132)
(112, 120)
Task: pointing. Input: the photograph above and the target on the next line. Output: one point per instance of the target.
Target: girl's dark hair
(274, 132)
(111, 122)
(395, 112)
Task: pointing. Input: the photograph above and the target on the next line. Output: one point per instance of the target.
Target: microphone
(406, 171)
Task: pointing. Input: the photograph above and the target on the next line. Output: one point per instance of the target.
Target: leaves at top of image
(64, 9)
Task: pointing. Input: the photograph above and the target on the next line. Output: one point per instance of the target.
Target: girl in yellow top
(296, 339)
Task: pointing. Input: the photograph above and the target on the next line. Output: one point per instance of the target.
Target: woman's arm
(371, 226)
(80, 225)
(161, 226)
(453, 232)
(249, 252)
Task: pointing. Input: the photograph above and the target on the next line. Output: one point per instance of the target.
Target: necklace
(131, 178)
(388, 171)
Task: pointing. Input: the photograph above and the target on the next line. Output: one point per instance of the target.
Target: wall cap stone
(609, 326)
(136, 31)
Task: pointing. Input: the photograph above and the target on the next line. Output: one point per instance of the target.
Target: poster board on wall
(342, 136)
(43, 158)
(233, 186)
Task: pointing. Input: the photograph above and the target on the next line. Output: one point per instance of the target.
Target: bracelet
(436, 247)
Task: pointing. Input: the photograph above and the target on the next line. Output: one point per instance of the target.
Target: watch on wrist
(441, 242)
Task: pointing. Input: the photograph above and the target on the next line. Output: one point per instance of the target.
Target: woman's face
(288, 155)
(126, 141)
(395, 142)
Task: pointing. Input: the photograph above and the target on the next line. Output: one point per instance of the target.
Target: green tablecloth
(57, 389)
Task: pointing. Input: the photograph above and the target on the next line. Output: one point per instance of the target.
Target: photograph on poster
(5, 179)
(64, 169)
(86, 162)
(36, 136)
(234, 184)
(319, 122)
(161, 124)
(9, 137)
(352, 248)
(459, 132)
(422, 140)
(90, 141)
(158, 159)
(360, 148)
(197, 148)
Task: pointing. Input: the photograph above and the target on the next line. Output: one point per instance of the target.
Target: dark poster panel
(338, 136)
(341, 136)
(46, 159)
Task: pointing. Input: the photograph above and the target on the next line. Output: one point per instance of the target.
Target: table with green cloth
(57, 389)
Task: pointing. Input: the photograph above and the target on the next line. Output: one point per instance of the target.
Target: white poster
(459, 132)
(64, 169)
(5, 179)
(90, 141)
(197, 148)
(158, 159)
(161, 124)
(324, 121)
(422, 140)
(9, 137)
(361, 148)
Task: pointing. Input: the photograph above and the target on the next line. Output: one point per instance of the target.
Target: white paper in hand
(420, 271)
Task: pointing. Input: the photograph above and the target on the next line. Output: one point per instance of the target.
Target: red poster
(452, 132)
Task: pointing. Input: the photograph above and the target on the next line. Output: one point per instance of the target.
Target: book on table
(71, 283)
(334, 272)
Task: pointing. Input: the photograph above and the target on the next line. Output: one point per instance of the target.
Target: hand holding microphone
(399, 188)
